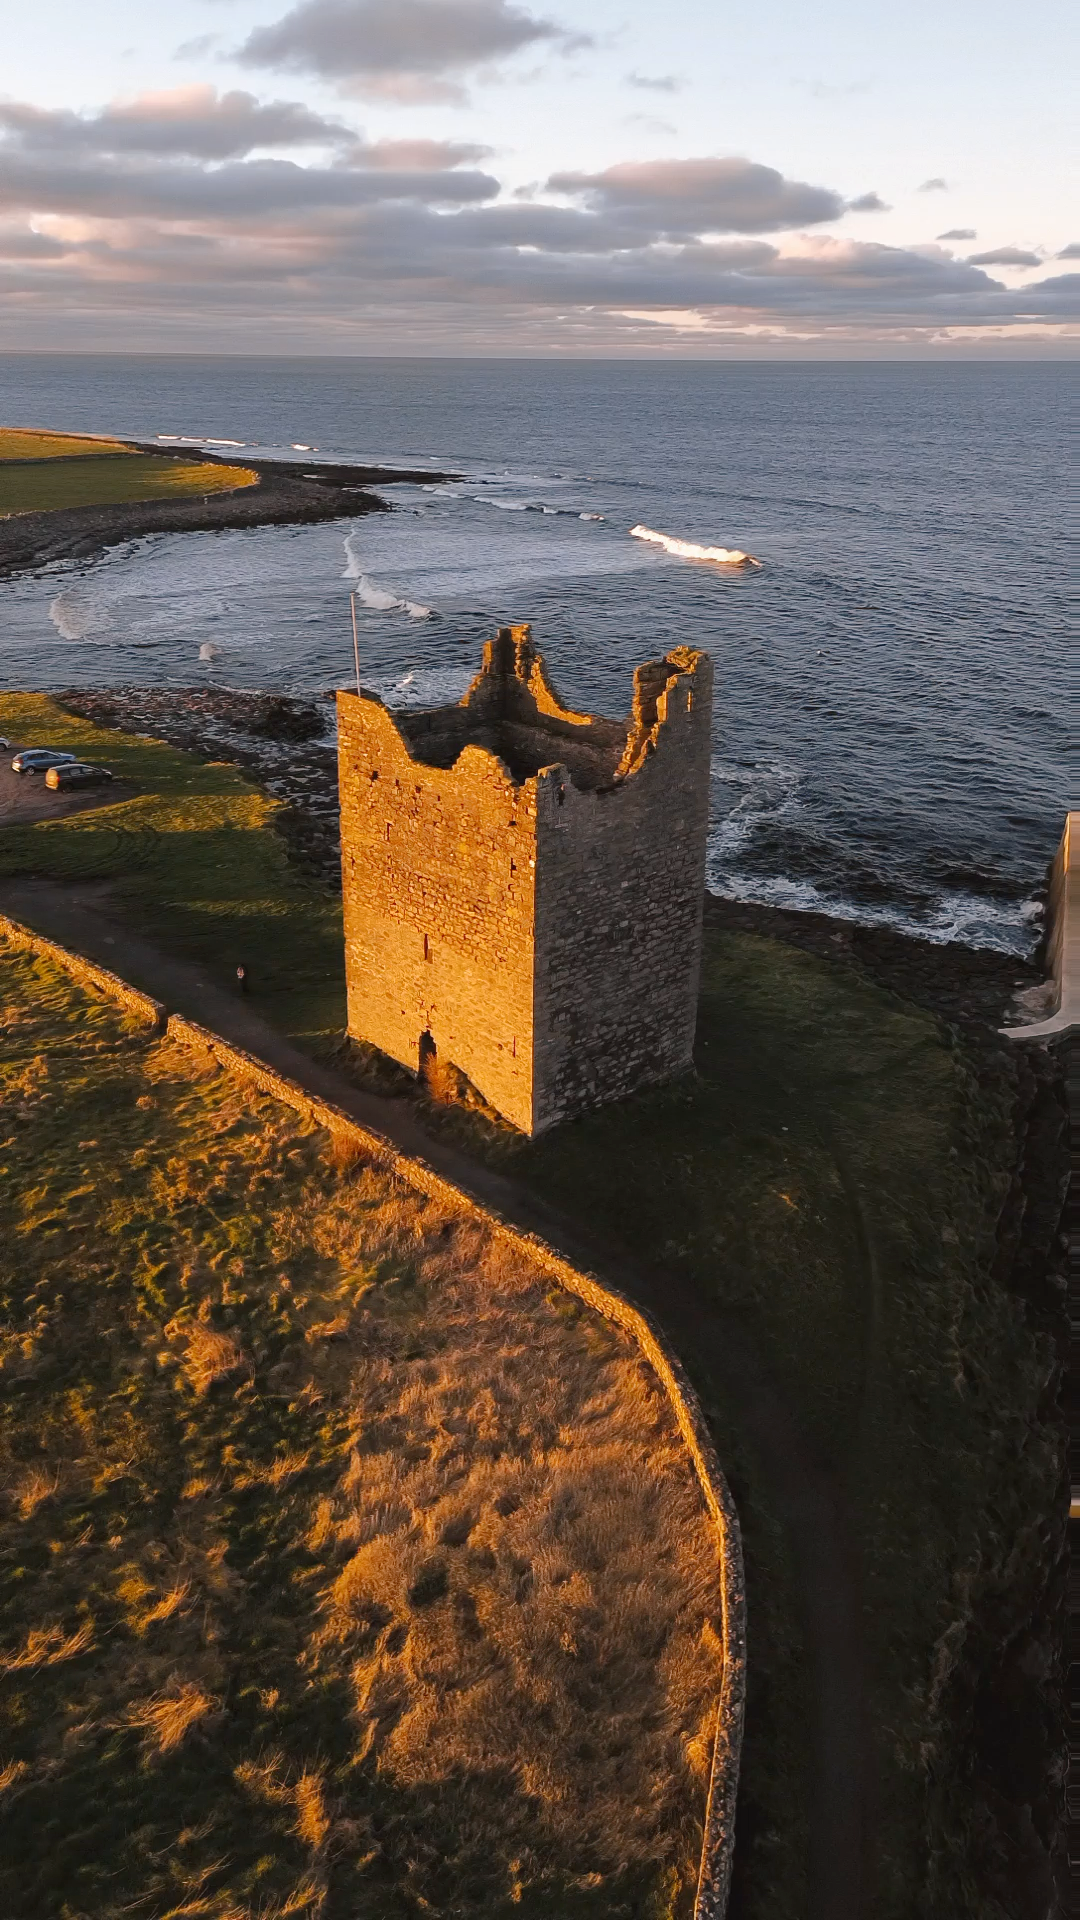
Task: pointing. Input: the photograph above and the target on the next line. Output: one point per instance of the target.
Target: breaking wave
(370, 594)
(688, 550)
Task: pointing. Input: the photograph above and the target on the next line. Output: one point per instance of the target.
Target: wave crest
(689, 550)
(370, 594)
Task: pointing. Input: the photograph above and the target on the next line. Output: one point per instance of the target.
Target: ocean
(891, 721)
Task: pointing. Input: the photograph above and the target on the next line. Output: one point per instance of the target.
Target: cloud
(145, 224)
(649, 122)
(936, 185)
(193, 121)
(198, 48)
(1005, 257)
(406, 50)
(423, 155)
(959, 233)
(673, 198)
(867, 203)
(836, 89)
(656, 83)
(1071, 252)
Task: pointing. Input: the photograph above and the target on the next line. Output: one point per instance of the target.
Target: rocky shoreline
(285, 495)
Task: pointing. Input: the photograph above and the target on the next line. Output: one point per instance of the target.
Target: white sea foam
(689, 550)
(590, 516)
(223, 443)
(967, 918)
(770, 790)
(208, 651)
(424, 687)
(74, 619)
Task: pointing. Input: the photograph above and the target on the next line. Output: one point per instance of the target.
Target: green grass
(117, 479)
(193, 861)
(22, 443)
(344, 1569)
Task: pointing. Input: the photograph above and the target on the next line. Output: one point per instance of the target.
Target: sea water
(891, 721)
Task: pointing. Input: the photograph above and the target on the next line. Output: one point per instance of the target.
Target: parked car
(5, 745)
(76, 773)
(38, 759)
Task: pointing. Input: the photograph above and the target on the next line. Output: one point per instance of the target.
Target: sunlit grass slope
(192, 861)
(24, 443)
(115, 479)
(344, 1571)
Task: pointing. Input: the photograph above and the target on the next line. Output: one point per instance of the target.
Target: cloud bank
(211, 218)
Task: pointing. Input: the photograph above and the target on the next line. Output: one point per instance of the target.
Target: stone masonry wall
(438, 873)
(620, 898)
(523, 885)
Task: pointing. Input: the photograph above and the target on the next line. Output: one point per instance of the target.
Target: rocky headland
(286, 493)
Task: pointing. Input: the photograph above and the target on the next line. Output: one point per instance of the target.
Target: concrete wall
(524, 884)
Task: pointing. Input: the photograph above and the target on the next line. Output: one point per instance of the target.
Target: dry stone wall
(84, 971)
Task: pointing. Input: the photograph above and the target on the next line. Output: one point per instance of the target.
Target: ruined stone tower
(524, 885)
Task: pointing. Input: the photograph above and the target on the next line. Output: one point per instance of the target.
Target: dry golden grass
(362, 1574)
(24, 443)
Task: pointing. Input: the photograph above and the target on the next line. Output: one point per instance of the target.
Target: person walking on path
(242, 977)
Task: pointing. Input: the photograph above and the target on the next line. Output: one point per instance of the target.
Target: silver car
(39, 759)
(76, 773)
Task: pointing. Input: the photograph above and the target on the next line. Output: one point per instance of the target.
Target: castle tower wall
(439, 872)
(619, 907)
(523, 884)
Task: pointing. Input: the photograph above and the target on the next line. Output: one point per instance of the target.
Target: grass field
(832, 1174)
(22, 443)
(192, 860)
(115, 479)
(345, 1570)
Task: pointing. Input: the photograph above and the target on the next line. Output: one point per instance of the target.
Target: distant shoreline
(286, 494)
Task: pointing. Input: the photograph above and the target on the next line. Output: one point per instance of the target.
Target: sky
(589, 177)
